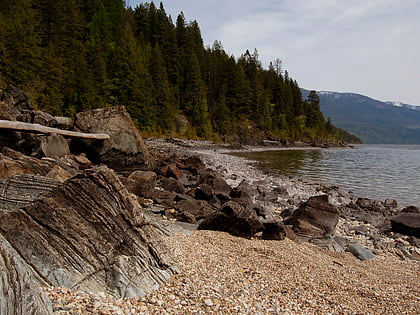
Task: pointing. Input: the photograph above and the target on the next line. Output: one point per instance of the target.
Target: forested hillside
(71, 55)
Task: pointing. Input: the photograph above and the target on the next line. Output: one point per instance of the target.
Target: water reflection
(287, 162)
(377, 172)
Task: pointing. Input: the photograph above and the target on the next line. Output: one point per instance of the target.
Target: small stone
(208, 302)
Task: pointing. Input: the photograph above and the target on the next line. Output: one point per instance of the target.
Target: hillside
(69, 56)
(372, 120)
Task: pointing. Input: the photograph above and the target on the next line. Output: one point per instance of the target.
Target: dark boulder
(141, 183)
(242, 197)
(91, 234)
(163, 197)
(125, 150)
(411, 209)
(407, 223)
(215, 181)
(173, 185)
(198, 208)
(273, 230)
(192, 164)
(316, 217)
(233, 218)
(375, 212)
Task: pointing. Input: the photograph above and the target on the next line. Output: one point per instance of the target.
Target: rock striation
(88, 233)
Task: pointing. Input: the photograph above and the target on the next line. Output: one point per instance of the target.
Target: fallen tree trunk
(22, 126)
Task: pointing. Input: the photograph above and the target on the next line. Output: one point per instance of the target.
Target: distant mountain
(371, 120)
(399, 104)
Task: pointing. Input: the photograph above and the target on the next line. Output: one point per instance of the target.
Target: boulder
(125, 150)
(55, 146)
(375, 212)
(406, 223)
(173, 184)
(360, 252)
(90, 234)
(215, 181)
(273, 230)
(43, 118)
(192, 164)
(198, 208)
(316, 217)
(141, 183)
(233, 218)
(205, 192)
(411, 209)
(163, 197)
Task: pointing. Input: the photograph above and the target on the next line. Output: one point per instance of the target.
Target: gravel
(223, 274)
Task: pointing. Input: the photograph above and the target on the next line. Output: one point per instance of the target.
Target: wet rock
(407, 223)
(125, 150)
(315, 217)
(233, 218)
(90, 234)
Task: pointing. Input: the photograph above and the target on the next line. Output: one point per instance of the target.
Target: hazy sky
(371, 47)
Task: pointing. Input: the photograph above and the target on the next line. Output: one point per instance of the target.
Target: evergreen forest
(72, 55)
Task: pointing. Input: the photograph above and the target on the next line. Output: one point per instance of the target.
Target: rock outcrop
(125, 150)
(20, 286)
(90, 234)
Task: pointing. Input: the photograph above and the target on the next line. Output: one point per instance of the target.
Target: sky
(370, 47)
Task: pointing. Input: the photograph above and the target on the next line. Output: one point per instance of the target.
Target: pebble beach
(223, 274)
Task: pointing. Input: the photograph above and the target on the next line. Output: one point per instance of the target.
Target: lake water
(372, 171)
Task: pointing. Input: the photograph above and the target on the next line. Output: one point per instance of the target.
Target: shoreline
(224, 274)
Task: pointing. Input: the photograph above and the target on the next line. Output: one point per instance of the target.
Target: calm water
(373, 171)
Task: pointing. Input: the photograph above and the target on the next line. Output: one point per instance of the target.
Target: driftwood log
(22, 126)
